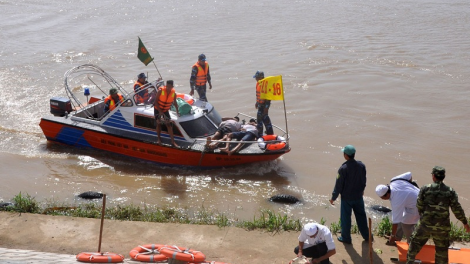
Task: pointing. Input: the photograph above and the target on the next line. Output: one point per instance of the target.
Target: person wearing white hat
(316, 242)
(403, 195)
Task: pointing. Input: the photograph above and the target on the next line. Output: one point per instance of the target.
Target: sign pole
(370, 242)
(103, 210)
(285, 111)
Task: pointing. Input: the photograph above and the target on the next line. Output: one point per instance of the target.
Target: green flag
(144, 55)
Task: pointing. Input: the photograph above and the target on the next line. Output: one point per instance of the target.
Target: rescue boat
(130, 128)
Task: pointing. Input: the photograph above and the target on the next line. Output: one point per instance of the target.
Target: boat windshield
(214, 116)
(202, 127)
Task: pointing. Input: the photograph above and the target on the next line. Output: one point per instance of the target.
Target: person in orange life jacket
(200, 75)
(263, 108)
(248, 133)
(112, 100)
(141, 97)
(166, 96)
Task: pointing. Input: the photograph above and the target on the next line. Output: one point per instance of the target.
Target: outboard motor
(60, 106)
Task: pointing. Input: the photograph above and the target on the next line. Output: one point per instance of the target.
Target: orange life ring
(186, 97)
(263, 142)
(97, 257)
(183, 254)
(148, 253)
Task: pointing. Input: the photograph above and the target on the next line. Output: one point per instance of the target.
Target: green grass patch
(23, 204)
(384, 228)
(272, 222)
(266, 220)
(335, 228)
(458, 233)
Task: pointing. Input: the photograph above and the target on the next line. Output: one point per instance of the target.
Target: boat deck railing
(202, 144)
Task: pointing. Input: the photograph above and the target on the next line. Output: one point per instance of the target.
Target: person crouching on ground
(316, 242)
(248, 132)
(402, 195)
(166, 96)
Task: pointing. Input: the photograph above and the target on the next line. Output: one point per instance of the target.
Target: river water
(390, 77)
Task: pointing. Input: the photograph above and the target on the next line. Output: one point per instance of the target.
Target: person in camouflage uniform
(433, 205)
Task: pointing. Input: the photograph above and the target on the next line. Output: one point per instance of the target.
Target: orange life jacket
(201, 77)
(140, 97)
(166, 99)
(113, 104)
(258, 91)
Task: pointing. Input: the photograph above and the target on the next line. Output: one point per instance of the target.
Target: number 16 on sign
(271, 88)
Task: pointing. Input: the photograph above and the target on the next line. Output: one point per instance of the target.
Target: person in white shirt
(316, 242)
(403, 195)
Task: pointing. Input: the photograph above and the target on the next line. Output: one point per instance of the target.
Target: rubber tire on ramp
(91, 195)
(380, 208)
(5, 204)
(284, 198)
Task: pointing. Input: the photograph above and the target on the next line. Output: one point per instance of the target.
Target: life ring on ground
(186, 97)
(279, 142)
(97, 257)
(183, 254)
(148, 253)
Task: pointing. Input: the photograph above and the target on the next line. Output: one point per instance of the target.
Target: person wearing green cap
(112, 100)
(434, 201)
(350, 183)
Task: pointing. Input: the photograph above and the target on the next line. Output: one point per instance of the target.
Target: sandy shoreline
(72, 235)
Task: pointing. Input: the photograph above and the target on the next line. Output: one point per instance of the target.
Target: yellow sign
(271, 88)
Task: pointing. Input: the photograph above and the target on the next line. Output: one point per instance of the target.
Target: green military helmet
(113, 91)
(439, 171)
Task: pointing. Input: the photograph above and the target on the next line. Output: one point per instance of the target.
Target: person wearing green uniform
(433, 205)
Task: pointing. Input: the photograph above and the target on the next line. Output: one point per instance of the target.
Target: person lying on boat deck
(200, 75)
(166, 96)
(228, 125)
(112, 100)
(248, 133)
(141, 97)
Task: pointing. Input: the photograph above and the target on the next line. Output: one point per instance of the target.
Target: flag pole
(157, 69)
(144, 56)
(285, 112)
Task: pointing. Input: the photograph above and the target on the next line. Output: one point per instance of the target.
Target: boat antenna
(96, 85)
